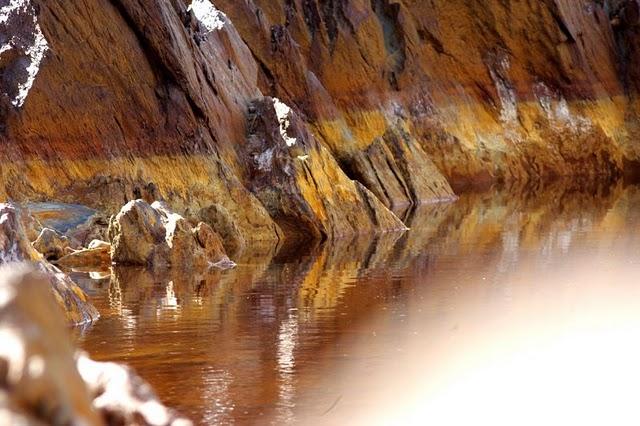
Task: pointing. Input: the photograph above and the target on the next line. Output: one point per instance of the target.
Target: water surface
(507, 307)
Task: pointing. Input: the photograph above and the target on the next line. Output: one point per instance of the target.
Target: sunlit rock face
(15, 247)
(150, 100)
(22, 50)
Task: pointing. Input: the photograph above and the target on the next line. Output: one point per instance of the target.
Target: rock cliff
(395, 102)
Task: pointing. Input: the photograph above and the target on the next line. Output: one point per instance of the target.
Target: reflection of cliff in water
(238, 344)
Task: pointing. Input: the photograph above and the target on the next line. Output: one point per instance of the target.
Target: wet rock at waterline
(153, 235)
(44, 381)
(208, 239)
(15, 247)
(97, 255)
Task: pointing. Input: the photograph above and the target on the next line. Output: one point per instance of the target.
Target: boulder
(153, 235)
(51, 244)
(15, 247)
(212, 244)
(137, 235)
(44, 380)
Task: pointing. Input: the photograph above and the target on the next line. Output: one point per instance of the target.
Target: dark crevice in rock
(166, 75)
(428, 37)
(311, 16)
(562, 26)
(333, 14)
(394, 42)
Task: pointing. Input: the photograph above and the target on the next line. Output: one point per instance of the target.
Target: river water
(505, 307)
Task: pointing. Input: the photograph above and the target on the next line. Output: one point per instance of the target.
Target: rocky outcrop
(407, 99)
(501, 90)
(301, 185)
(153, 235)
(15, 247)
(44, 381)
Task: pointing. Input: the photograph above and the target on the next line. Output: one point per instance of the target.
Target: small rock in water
(51, 244)
(97, 255)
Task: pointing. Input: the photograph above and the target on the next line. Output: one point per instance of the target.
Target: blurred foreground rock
(43, 380)
(153, 235)
(38, 378)
(15, 247)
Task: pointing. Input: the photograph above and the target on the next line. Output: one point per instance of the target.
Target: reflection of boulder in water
(137, 285)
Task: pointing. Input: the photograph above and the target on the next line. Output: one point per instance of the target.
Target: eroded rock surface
(153, 235)
(15, 247)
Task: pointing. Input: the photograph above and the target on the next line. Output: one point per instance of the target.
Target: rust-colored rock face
(397, 101)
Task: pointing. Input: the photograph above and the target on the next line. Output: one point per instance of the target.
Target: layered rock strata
(107, 102)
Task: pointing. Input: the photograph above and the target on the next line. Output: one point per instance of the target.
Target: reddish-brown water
(518, 307)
